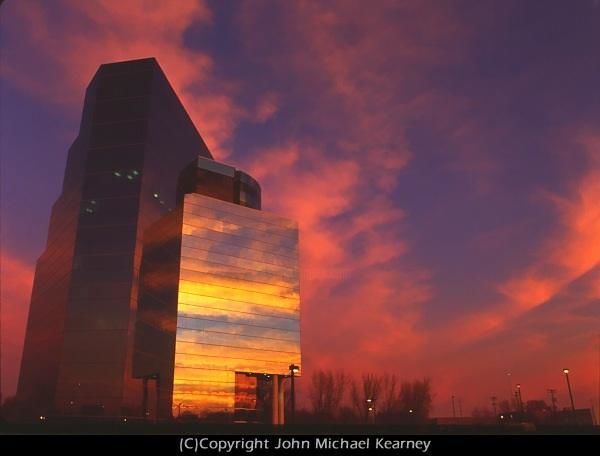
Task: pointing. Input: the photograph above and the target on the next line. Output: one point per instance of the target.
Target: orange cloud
(93, 33)
(546, 319)
(574, 249)
(568, 254)
(266, 108)
(357, 301)
(367, 309)
(361, 292)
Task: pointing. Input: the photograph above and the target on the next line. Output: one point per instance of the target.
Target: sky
(442, 160)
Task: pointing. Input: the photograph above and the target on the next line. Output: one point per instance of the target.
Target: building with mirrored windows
(218, 316)
(163, 289)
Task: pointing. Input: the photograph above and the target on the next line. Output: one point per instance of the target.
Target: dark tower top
(220, 181)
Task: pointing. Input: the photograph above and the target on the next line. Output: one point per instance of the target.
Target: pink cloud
(352, 303)
(574, 248)
(92, 33)
(267, 107)
(363, 93)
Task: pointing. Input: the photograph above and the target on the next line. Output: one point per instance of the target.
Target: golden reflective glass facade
(238, 304)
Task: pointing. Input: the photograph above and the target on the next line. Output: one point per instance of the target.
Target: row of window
(195, 257)
(205, 206)
(243, 329)
(250, 250)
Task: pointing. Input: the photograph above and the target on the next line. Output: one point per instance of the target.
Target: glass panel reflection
(238, 305)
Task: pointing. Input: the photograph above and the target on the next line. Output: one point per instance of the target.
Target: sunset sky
(442, 159)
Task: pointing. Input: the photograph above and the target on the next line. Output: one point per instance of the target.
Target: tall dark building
(121, 177)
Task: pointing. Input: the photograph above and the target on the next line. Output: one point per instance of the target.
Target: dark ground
(65, 427)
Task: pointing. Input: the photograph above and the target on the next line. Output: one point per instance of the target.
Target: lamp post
(293, 369)
(566, 372)
(370, 409)
(520, 398)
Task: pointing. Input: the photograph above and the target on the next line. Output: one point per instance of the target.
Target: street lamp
(293, 369)
(566, 372)
(520, 398)
(370, 409)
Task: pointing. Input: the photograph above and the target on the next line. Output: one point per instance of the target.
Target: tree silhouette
(415, 400)
(365, 395)
(327, 393)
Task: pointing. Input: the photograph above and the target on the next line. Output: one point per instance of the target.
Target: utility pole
(453, 407)
(552, 392)
(293, 369)
(494, 401)
(510, 391)
(598, 421)
(566, 372)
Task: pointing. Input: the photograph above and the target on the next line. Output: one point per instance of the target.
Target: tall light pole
(566, 372)
(453, 408)
(520, 398)
(293, 369)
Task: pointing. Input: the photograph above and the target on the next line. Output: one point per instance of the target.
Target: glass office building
(121, 177)
(159, 265)
(218, 319)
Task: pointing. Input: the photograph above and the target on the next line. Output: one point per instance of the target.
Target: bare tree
(365, 395)
(327, 393)
(373, 397)
(415, 399)
(387, 403)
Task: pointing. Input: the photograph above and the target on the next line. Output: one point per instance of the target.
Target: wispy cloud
(70, 39)
(573, 248)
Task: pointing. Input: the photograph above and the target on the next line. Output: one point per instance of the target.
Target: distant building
(218, 317)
